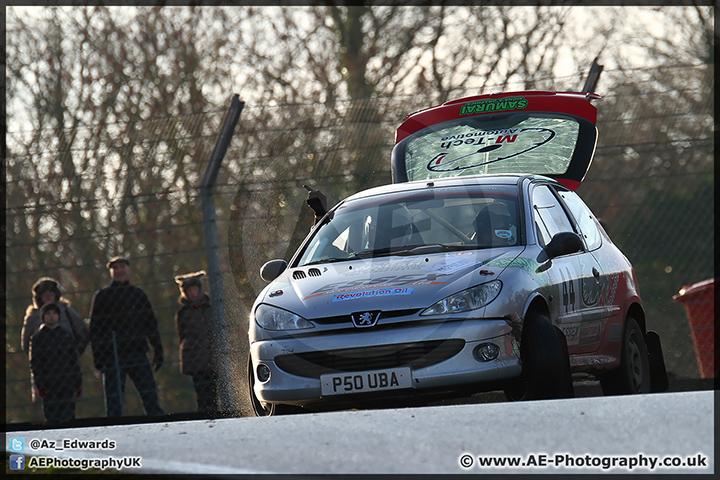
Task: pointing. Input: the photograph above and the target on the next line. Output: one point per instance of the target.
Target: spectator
(46, 290)
(55, 366)
(194, 321)
(122, 322)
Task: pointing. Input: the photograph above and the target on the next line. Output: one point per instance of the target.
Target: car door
(599, 289)
(574, 285)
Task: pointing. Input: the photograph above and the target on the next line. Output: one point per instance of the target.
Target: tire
(633, 374)
(259, 409)
(268, 409)
(546, 370)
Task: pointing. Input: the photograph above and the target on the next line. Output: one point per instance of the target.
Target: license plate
(370, 381)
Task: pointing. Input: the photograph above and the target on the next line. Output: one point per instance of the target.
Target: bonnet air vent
(299, 274)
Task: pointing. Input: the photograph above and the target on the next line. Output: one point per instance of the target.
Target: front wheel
(545, 363)
(261, 409)
(633, 374)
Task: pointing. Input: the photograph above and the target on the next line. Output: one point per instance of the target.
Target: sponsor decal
(522, 141)
(590, 291)
(503, 234)
(379, 292)
(493, 105)
(526, 264)
(531, 267)
(452, 264)
(590, 334)
(571, 334)
(377, 283)
(377, 266)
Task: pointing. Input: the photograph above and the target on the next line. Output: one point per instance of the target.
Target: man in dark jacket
(194, 322)
(122, 322)
(55, 366)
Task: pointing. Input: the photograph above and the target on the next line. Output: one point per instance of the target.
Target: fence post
(221, 343)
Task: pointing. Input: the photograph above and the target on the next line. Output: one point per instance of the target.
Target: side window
(550, 217)
(585, 219)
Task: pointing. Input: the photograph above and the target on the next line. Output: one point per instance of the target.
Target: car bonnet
(384, 283)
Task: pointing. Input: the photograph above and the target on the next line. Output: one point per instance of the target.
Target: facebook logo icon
(17, 444)
(17, 462)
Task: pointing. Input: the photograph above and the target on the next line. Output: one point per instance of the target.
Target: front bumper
(448, 363)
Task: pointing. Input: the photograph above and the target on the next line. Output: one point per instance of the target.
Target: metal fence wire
(79, 196)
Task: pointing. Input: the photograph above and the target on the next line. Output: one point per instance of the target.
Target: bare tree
(111, 119)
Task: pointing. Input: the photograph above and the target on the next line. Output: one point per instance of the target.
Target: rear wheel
(633, 374)
(545, 364)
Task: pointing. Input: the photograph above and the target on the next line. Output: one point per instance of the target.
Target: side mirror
(272, 269)
(564, 243)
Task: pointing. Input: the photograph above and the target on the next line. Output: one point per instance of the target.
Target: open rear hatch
(543, 133)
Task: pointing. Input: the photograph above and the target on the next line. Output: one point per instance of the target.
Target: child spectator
(46, 290)
(55, 366)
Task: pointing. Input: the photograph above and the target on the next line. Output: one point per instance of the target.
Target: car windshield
(412, 223)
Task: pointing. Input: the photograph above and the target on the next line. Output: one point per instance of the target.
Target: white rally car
(479, 268)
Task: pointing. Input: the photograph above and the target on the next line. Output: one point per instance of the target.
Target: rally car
(479, 268)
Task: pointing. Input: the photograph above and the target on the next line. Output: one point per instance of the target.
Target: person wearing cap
(47, 290)
(55, 366)
(122, 323)
(194, 322)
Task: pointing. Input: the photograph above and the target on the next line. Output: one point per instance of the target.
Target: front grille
(415, 355)
(346, 318)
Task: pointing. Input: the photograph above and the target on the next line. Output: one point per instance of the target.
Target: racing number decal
(569, 296)
(570, 332)
(568, 292)
(572, 329)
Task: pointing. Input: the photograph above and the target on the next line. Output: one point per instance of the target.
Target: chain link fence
(79, 196)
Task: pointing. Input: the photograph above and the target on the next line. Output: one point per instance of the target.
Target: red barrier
(699, 302)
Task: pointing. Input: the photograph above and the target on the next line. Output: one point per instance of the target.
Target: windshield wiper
(378, 252)
(413, 250)
(400, 250)
(326, 260)
(438, 247)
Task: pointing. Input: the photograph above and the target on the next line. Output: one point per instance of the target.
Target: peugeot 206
(478, 269)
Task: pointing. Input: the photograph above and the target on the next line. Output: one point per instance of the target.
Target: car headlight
(273, 318)
(470, 299)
